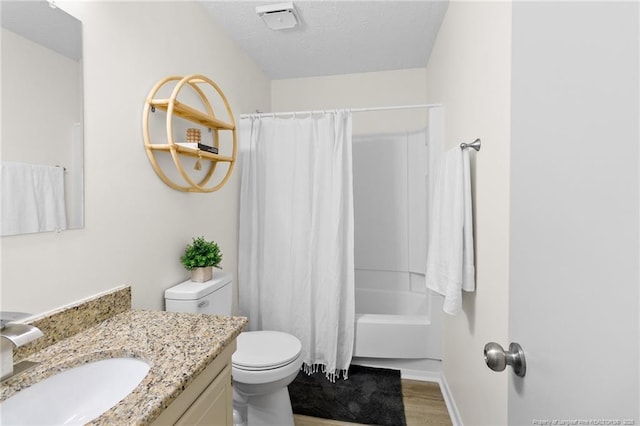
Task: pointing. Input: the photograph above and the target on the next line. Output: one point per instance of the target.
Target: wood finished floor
(423, 406)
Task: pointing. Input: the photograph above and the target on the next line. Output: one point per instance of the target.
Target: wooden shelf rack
(177, 109)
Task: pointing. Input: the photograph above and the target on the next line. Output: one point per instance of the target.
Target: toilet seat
(265, 350)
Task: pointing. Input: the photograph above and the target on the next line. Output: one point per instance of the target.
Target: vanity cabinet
(208, 400)
(178, 109)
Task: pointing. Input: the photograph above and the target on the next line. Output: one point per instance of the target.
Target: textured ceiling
(335, 37)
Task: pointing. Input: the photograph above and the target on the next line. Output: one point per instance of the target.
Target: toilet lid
(265, 350)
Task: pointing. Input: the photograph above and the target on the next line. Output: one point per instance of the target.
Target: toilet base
(265, 410)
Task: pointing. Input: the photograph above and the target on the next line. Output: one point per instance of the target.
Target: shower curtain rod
(321, 111)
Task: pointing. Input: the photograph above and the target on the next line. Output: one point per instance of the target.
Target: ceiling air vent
(279, 16)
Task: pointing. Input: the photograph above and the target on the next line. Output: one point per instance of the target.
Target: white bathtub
(397, 324)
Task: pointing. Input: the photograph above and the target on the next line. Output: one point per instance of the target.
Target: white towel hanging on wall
(450, 258)
(32, 198)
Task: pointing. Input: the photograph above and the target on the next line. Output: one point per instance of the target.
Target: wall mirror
(42, 118)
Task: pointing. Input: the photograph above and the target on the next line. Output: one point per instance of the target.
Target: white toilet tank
(211, 297)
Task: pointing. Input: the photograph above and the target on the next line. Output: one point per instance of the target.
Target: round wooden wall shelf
(177, 109)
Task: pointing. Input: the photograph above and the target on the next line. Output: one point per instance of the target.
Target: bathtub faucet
(13, 334)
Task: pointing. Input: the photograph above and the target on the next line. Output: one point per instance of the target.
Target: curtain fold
(296, 263)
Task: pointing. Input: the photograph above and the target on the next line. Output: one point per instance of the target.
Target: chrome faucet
(14, 334)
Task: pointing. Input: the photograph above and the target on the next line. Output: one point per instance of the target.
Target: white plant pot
(201, 275)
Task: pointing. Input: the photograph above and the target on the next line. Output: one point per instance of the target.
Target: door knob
(497, 358)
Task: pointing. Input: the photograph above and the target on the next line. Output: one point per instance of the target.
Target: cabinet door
(214, 406)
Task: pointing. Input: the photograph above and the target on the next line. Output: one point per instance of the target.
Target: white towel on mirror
(450, 260)
(32, 198)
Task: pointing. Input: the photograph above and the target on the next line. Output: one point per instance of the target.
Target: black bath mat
(370, 396)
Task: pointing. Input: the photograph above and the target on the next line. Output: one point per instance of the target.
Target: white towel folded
(32, 198)
(450, 263)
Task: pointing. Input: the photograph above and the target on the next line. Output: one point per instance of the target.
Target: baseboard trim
(422, 376)
(454, 414)
(424, 370)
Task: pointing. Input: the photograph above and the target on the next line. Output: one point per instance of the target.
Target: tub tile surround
(165, 340)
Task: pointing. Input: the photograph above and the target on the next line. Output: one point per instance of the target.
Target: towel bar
(475, 145)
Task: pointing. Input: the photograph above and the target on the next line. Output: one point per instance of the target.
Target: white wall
(136, 227)
(469, 72)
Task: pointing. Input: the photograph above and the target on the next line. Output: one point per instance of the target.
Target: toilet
(264, 364)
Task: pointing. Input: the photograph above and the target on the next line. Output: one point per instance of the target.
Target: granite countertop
(177, 346)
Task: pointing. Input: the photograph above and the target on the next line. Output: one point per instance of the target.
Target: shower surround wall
(390, 176)
(389, 180)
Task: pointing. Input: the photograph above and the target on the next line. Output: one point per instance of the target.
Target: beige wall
(374, 89)
(469, 72)
(136, 227)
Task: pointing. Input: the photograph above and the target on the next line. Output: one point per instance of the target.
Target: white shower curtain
(296, 264)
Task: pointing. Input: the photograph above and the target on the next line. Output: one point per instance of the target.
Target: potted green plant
(200, 257)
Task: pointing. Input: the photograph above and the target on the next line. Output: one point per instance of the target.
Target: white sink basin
(75, 396)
